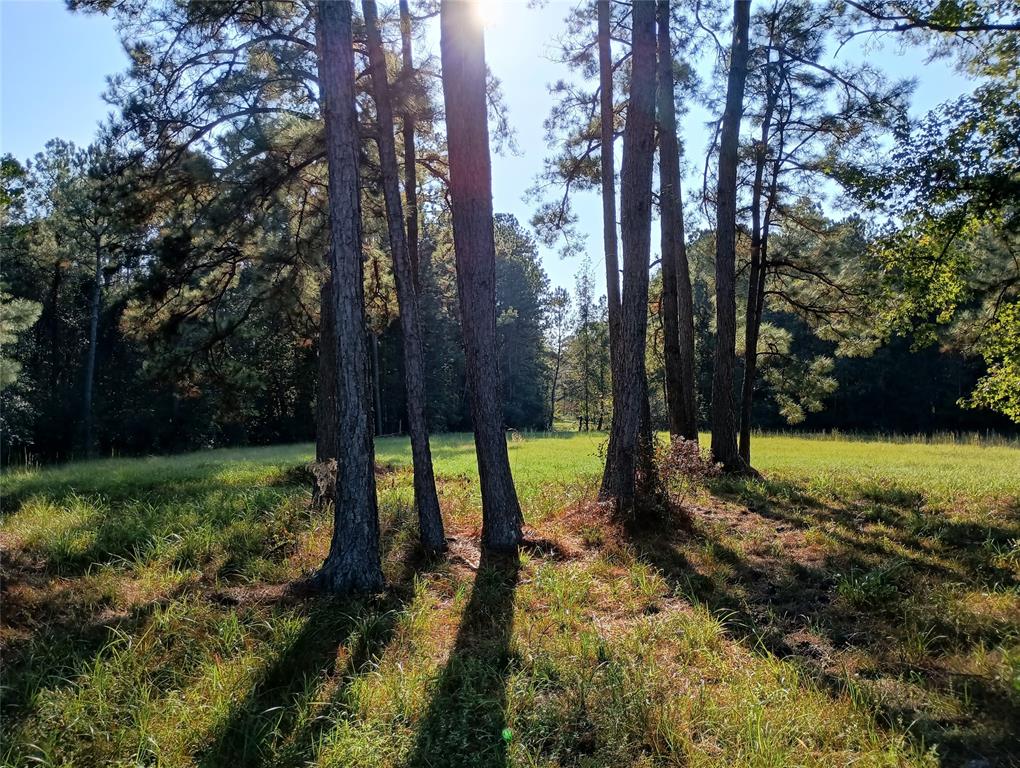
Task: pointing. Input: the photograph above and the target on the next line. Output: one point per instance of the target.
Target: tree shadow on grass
(110, 521)
(466, 719)
(281, 720)
(887, 521)
(278, 715)
(55, 655)
(56, 626)
(860, 593)
(65, 631)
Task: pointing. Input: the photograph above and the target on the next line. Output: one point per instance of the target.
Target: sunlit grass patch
(857, 605)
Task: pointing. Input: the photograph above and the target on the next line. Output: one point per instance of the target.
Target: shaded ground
(914, 610)
(150, 617)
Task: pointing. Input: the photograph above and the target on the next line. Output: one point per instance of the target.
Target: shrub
(682, 469)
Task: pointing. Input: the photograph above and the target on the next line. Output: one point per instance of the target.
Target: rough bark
(630, 393)
(463, 61)
(755, 282)
(376, 388)
(724, 432)
(677, 299)
(95, 300)
(407, 120)
(353, 562)
(608, 167)
(426, 500)
(325, 401)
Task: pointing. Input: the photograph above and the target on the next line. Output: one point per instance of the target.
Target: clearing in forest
(859, 604)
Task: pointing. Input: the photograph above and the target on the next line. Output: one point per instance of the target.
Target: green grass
(858, 604)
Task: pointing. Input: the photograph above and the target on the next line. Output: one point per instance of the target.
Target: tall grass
(856, 605)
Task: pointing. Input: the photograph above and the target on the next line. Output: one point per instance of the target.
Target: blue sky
(53, 68)
(54, 64)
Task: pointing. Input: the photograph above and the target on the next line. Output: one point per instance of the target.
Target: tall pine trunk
(724, 427)
(325, 399)
(677, 300)
(608, 167)
(376, 388)
(756, 280)
(430, 521)
(630, 394)
(555, 382)
(407, 120)
(464, 93)
(353, 562)
(95, 301)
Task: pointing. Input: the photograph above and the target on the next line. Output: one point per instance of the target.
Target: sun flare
(490, 12)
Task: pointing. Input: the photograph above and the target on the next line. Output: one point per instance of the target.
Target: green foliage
(800, 387)
(16, 317)
(951, 190)
(522, 293)
(999, 388)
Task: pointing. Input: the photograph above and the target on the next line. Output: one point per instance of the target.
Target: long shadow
(54, 657)
(64, 634)
(765, 619)
(466, 719)
(899, 511)
(133, 522)
(775, 607)
(769, 606)
(57, 629)
(336, 640)
(124, 483)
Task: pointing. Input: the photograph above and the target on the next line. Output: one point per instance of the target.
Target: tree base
(739, 468)
(506, 540)
(434, 550)
(431, 536)
(339, 577)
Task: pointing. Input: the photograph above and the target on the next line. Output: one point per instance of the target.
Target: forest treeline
(196, 249)
(286, 231)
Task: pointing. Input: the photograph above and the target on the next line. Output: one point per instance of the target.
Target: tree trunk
(353, 562)
(407, 120)
(752, 332)
(555, 381)
(630, 392)
(608, 133)
(430, 520)
(464, 92)
(55, 331)
(90, 359)
(677, 301)
(586, 396)
(755, 282)
(324, 485)
(376, 389)
(724, 436)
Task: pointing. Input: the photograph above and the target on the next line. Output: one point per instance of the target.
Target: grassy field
(857, 605)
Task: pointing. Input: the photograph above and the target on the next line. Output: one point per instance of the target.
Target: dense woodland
(247, 256)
